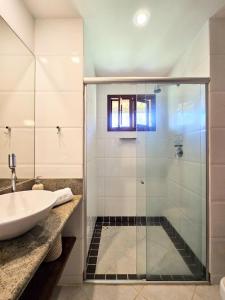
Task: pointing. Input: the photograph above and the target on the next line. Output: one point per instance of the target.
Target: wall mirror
(17, 87)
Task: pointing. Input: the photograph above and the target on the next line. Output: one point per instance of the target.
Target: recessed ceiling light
(141, 18)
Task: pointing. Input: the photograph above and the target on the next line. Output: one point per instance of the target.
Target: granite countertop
(21, 257)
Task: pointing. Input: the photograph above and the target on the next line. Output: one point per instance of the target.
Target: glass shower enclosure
(146, 179)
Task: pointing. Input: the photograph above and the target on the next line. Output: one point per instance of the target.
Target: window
(131, 112)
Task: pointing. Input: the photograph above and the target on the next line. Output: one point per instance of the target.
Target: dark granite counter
(21, 257)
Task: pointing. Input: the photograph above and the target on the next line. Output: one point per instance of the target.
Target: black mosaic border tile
(191, 260)
(93, 253)
(193, 263)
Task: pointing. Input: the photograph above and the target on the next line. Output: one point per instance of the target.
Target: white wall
(195, 61)
(18, 17)
(59, 97)
(186, 176)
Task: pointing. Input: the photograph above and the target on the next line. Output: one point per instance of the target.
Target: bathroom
(128, 117)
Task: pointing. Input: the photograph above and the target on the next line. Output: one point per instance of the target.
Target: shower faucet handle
(12, 161)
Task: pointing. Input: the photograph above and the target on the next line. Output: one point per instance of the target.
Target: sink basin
(21, 211)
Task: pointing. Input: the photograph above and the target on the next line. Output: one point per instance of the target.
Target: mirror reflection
(17, 71)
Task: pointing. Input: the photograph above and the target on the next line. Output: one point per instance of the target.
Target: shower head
(157, 89)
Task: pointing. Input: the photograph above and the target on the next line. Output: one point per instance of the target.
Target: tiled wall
(187, 176)
(59, 98)
(120, 162)
(155, 160)
(186, 205)
(17, 78)
(217, 148)
(116, 160)
(59, 102)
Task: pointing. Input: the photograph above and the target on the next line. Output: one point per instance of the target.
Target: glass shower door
(171, 185)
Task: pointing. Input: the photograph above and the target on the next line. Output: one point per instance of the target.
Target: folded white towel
(63, 196)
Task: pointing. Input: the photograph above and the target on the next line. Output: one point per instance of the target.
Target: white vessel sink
(21, 211)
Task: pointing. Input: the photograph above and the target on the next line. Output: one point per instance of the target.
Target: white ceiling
(117, 47)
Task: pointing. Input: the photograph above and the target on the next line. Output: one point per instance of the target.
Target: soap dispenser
(38, 185)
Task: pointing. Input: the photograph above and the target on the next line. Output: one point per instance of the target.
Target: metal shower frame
(156, 80)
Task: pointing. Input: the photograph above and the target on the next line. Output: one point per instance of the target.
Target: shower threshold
(112, 255)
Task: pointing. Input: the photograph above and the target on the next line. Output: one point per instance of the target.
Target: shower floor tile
(117, 250)
(118, 253)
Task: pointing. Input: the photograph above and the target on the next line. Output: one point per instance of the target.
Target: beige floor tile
(140, 297)
(207, 293)
(70, 293)
(137, 292)
(118, 253)
(110, 292)
(168, 292)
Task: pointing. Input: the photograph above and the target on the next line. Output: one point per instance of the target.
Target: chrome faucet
(12, 166)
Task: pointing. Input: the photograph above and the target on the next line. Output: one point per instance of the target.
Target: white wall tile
(58, 73)
(12, 144)
(23, 136)
(17, 74)
(22, 171)
(101, 206)
(117, 167)
(65, 148)
(120, 187)
(62, 109)
(59, 86)
(59, 171)
(100, 186)
(22, 103)
(124, 206)
(192, 146)
(114, 147)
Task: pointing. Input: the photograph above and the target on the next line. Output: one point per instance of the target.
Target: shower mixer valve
(179, 151)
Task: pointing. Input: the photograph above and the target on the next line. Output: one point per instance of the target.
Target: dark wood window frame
(133, 99)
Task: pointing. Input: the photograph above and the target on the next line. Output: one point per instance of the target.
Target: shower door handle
(142, 182)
